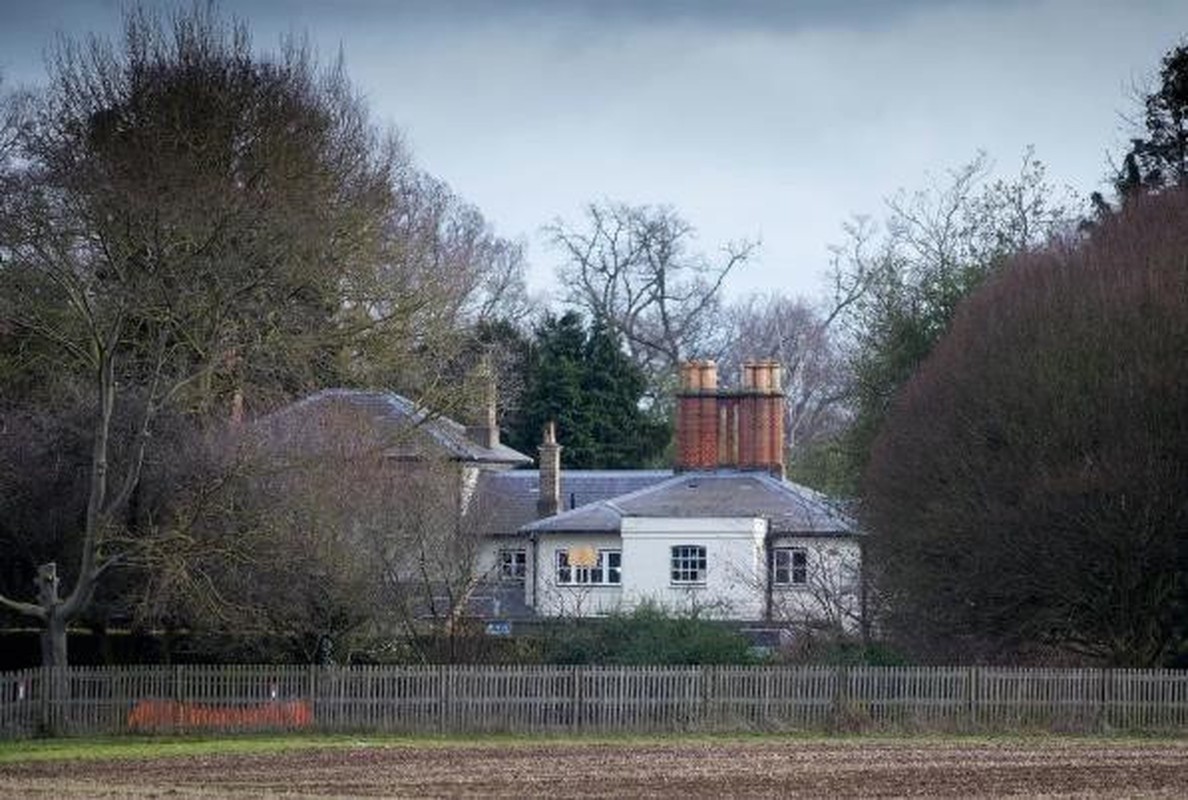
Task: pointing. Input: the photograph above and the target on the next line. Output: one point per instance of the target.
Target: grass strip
(152, 747)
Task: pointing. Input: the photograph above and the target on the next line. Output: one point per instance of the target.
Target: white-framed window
(688, 563)
(513, 564)
(589, 567)
(789, 566)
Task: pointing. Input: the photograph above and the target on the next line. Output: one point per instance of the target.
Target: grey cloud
(770, 15)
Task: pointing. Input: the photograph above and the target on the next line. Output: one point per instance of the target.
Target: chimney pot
(709, 375)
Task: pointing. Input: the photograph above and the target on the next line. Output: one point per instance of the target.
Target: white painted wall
(735, 567)
(555, 600)
(486, 556)
(832, 595)
(736, 576)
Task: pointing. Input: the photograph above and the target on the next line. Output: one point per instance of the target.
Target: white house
(723, 535)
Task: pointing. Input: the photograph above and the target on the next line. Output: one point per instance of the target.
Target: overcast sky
(770, 120)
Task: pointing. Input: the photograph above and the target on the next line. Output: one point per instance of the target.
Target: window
(584, 566)
(513, 564)
(688, 563)
(790, 565)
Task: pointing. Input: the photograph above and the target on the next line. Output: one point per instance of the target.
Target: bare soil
(687, 769)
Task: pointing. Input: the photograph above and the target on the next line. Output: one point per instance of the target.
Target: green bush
(647, 635)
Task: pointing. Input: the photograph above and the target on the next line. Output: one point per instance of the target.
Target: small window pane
(614, 564)
(688, 564)
(513, 564)
(790, 566)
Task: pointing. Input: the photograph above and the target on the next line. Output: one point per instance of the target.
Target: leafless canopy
(631, 268)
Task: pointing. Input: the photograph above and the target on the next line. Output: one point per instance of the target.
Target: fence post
(971, 698)
(703, 712)
(841, 697)
(575, 717)
(1103, 699)
(43, 700)
(311, 683)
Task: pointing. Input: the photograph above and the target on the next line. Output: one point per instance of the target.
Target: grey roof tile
(506, 501)
(789, 507)
(391, 417)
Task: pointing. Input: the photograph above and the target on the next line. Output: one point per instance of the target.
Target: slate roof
(506, 501)
(789, 507)
(390, 416)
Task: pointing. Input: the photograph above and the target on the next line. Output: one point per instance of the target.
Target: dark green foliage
(1160, 158)
(647, 635)
(582, 380)
(1026, 494)
(841, 650)
(825, 466)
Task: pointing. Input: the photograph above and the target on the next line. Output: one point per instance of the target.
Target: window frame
(686, 560)
(791, 568)
(518, 564)
(608, 574)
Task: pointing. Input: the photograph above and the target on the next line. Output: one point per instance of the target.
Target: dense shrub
(647, 635)
(1027, 493)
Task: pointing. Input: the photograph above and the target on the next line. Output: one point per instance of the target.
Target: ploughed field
(688, 768)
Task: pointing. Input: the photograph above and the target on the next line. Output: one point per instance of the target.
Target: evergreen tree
(581, 379)
(1160, 158)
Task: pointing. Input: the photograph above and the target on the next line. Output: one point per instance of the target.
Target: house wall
(467, 482)
(832, 595)
(554, 600)
(735, 565)
(736, 584)
(486, 557)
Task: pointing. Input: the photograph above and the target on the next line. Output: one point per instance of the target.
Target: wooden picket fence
(561, 699)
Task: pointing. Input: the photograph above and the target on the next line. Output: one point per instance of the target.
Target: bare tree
(898, 285)
(327, 531)
(796, 334)
(630, 269)
(827, 598)
(450, 247)
(182, 218)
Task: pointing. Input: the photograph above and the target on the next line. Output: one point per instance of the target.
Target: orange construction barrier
(169, 715)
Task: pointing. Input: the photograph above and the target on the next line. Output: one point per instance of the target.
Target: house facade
(723, 535)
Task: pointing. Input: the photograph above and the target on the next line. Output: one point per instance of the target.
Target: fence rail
(449, 699)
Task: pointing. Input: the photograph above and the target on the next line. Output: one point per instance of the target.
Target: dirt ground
(687, 769)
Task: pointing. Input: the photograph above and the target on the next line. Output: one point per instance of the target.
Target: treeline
(193, 233)
(1024, 484)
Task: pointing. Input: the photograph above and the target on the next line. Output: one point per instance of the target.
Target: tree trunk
(53, 641)
(53, 635)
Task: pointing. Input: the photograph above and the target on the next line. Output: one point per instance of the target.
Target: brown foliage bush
(1028, 489)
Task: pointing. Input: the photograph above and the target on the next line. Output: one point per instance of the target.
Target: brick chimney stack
(761, 418)
(697, 416)
(485, 431)
(549, 501)
(741, 428)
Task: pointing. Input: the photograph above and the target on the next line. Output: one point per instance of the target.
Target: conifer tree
(582, 379)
